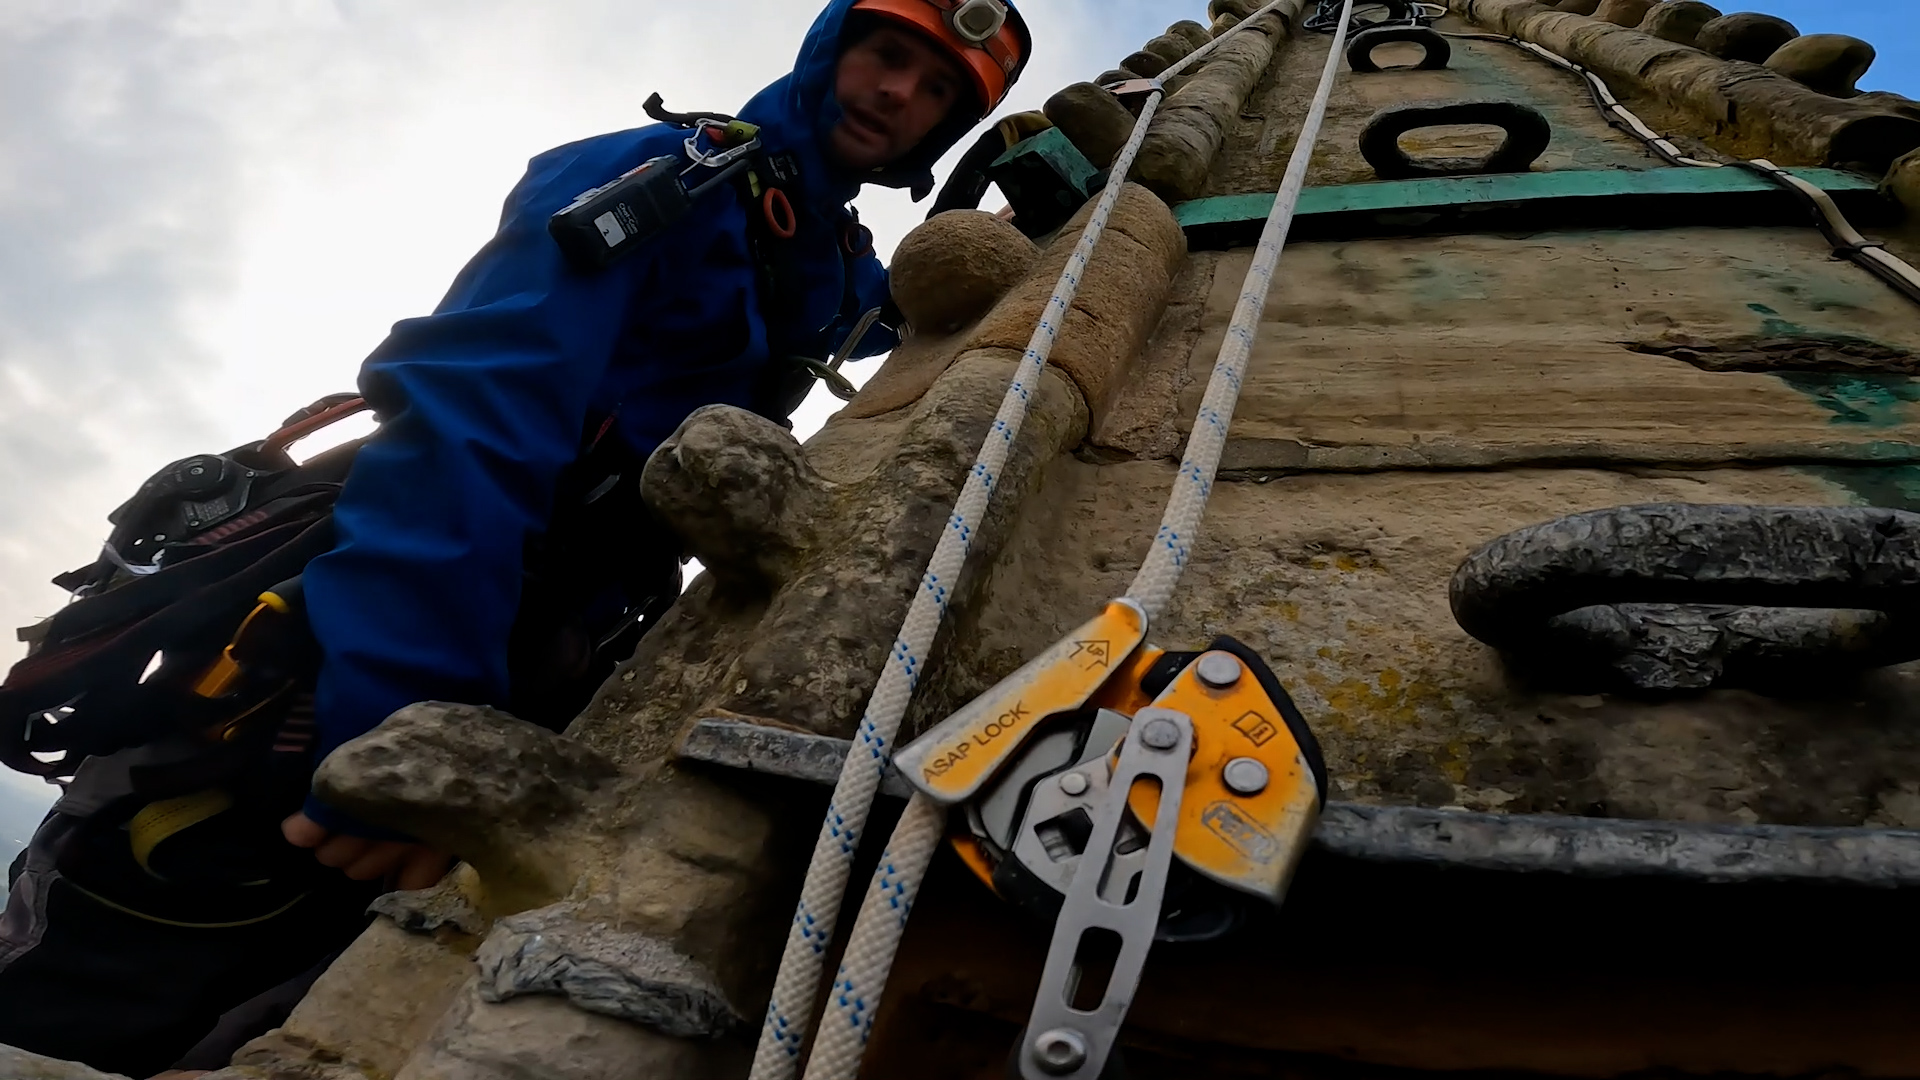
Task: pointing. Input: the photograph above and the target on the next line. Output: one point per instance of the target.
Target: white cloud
(211, 210)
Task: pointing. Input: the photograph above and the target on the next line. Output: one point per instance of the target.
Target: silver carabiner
(828, 371)
(1114, 894)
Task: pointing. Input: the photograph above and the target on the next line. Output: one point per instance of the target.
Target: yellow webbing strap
(124, 909)
(158, 821)
(1020, 127)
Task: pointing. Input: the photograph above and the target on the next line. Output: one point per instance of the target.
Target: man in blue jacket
(486, 404)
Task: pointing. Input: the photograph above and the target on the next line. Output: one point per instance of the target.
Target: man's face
(893, 87)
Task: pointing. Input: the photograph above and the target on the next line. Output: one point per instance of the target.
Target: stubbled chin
(855, 150)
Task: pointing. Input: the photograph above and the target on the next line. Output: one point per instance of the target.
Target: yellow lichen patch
(1388, 696)
(1285, 609)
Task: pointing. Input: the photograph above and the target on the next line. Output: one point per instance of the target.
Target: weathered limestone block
(1191, 32)
(1143, 421)
(1119, 301)
(679, 864)
(1746, 35)
(1115, 75)
(1222, 23)
(1121, 291)
(1750, 114)
(1239, 9)
(1903, 185)
(1678, 21)
(948, 271)
(1170, 47)
(1829, 63)
(742, 499)
(1623, 12)
(602, 969)
(446, 906)
(1093, 120)
(1578, 7)
(1341, 582)
(20, 1065)
(473, 781)
(548, 1039)
(381, 1019)
(1193, 121)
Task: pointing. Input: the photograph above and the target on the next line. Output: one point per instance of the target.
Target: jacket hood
(797, 112)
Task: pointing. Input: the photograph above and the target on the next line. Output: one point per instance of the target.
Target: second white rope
(861, 982)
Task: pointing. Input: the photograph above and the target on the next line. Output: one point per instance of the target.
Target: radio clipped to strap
(604, 223)
(1131, 793)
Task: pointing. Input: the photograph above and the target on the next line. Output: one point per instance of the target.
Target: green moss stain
(1871, 400)
(1893, 486)
(1772, 325)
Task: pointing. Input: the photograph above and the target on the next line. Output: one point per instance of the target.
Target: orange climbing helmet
(988, 37)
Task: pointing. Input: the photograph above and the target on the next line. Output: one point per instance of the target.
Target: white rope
(868, 960)
(882, 921)
(1153, 586)
(785, 1031)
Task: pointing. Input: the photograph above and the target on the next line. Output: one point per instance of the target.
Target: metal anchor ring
(1683, 596)
(1528, 134)
(1436, 51)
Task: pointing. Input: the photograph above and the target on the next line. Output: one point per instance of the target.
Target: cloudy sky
(210, 210)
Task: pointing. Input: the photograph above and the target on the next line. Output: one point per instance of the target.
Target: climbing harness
(1847, 242)
(190, 623)
(187, 559)
(1078, 1043)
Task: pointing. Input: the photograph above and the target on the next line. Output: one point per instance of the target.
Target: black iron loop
(1528, 134)
(1682, 596)
(1437, 53)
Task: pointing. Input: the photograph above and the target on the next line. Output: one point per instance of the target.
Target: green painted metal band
(1571, 199)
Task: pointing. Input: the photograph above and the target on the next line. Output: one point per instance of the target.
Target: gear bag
(187, 628)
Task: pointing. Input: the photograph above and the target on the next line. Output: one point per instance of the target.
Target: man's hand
(415, 866)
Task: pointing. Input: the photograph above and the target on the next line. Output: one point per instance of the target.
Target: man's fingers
(342, 851)
(418, 865)
(302, 831)
(423, 868)
(378, 860)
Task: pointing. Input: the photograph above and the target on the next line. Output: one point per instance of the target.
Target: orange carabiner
(300, 429)
(779, 213)
(857, 240)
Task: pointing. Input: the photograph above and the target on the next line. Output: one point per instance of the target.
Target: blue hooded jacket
(484, 402)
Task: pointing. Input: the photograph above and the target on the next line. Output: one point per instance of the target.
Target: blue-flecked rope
(883, 915)
(861, 980)
(785, 1030)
